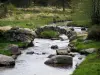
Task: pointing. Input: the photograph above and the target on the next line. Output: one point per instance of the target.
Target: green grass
(34, 17)
(49, 34)
(5, 52)
(4, 44)
(80, 44)
(91, 66)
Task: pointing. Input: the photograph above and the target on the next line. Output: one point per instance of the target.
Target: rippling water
(34, 64)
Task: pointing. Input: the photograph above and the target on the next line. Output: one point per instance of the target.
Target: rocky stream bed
(32, 60)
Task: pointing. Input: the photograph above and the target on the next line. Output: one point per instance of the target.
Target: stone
(14, 49)
(20, 34)
(30, 52)
(62, 52)
(54, 47)
(31, 44)
(63, 37)
(14, 56)
(6, 61)
(51, 55)
(60, 59)
(72, 54)
(83, 28)
(67, 31)
(43, 53)
(72, 29)
(88, 51)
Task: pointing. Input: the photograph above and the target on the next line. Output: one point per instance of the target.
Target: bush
(49, 34)
(94, 33)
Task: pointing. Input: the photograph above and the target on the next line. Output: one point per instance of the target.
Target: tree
(96, 12)
(87, 11)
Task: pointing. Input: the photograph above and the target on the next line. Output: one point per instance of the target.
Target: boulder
(60, 59)
(54, 47)
(6, 61)
(14, 49)
(20, 34)
(88, 51)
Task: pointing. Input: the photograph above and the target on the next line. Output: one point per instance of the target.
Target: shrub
(94, 33)
(49, 34)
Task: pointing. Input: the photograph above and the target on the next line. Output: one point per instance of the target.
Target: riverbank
(90, 66)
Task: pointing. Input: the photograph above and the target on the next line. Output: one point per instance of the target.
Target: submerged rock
(6, 61)
(60, 59)
(51, 55)
(83, 28)
(30, 52)
(54, 47)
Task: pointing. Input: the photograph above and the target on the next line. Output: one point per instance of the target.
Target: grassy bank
(80, 44)
(91, 65)
(4, 45)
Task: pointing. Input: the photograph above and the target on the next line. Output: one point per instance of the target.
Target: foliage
(49, 34)
(87, 12)
(83, 12)
(94, 33)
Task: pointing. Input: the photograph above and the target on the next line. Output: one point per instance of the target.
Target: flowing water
(34, 64)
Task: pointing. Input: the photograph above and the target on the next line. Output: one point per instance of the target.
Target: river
(33, 64)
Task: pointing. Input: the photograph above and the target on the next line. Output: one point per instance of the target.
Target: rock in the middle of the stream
(60, 59)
